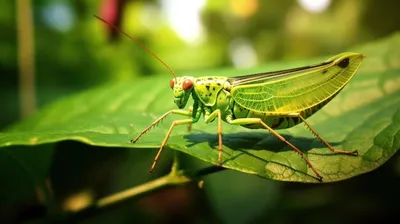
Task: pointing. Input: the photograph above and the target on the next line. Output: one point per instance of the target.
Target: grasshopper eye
(172, 83)
(187, 85)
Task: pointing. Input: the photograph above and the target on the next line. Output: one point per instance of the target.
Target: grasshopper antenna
(138, 43)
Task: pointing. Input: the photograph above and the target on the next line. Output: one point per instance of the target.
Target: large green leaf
(364, 116)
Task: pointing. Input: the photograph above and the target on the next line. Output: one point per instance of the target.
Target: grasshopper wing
(297, 89)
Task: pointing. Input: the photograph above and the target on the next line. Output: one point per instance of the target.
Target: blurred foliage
(75, 51)
(85, 53)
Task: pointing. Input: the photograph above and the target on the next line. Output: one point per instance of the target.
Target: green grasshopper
(270, 100)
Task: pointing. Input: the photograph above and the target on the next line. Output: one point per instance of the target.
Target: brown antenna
(138, 43)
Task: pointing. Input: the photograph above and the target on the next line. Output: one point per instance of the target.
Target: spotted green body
(214, 93)
(271, 96)
(271, 100)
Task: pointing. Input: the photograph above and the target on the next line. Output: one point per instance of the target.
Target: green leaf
(364, 116)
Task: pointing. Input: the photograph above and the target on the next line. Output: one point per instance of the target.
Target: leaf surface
(364, 116)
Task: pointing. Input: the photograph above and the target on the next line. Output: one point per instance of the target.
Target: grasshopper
(271, 100)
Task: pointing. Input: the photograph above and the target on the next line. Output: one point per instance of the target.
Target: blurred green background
(73, 52)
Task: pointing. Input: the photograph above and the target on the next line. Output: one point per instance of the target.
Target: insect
(270, 100)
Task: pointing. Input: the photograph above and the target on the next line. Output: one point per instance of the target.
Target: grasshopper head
(182, 87)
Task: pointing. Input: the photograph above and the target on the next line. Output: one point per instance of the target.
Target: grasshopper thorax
(182, 87)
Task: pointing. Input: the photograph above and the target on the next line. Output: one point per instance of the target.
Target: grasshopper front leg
(180, 112)
(189, 128)
(175, 123)
(208, 119)
(193, 112)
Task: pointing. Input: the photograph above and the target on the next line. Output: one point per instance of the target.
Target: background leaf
(364, 116)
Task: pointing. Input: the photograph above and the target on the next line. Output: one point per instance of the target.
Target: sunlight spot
(242, 53)
(58, 16)
(184, 17)
(78, 201)
(33, 140)
(244, 8)
(314, 5)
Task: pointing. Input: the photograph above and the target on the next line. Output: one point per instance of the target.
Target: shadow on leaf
(246, 142)
(256, 141)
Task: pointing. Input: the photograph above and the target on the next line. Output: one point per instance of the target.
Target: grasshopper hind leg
(354, 152)
(244, 121)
